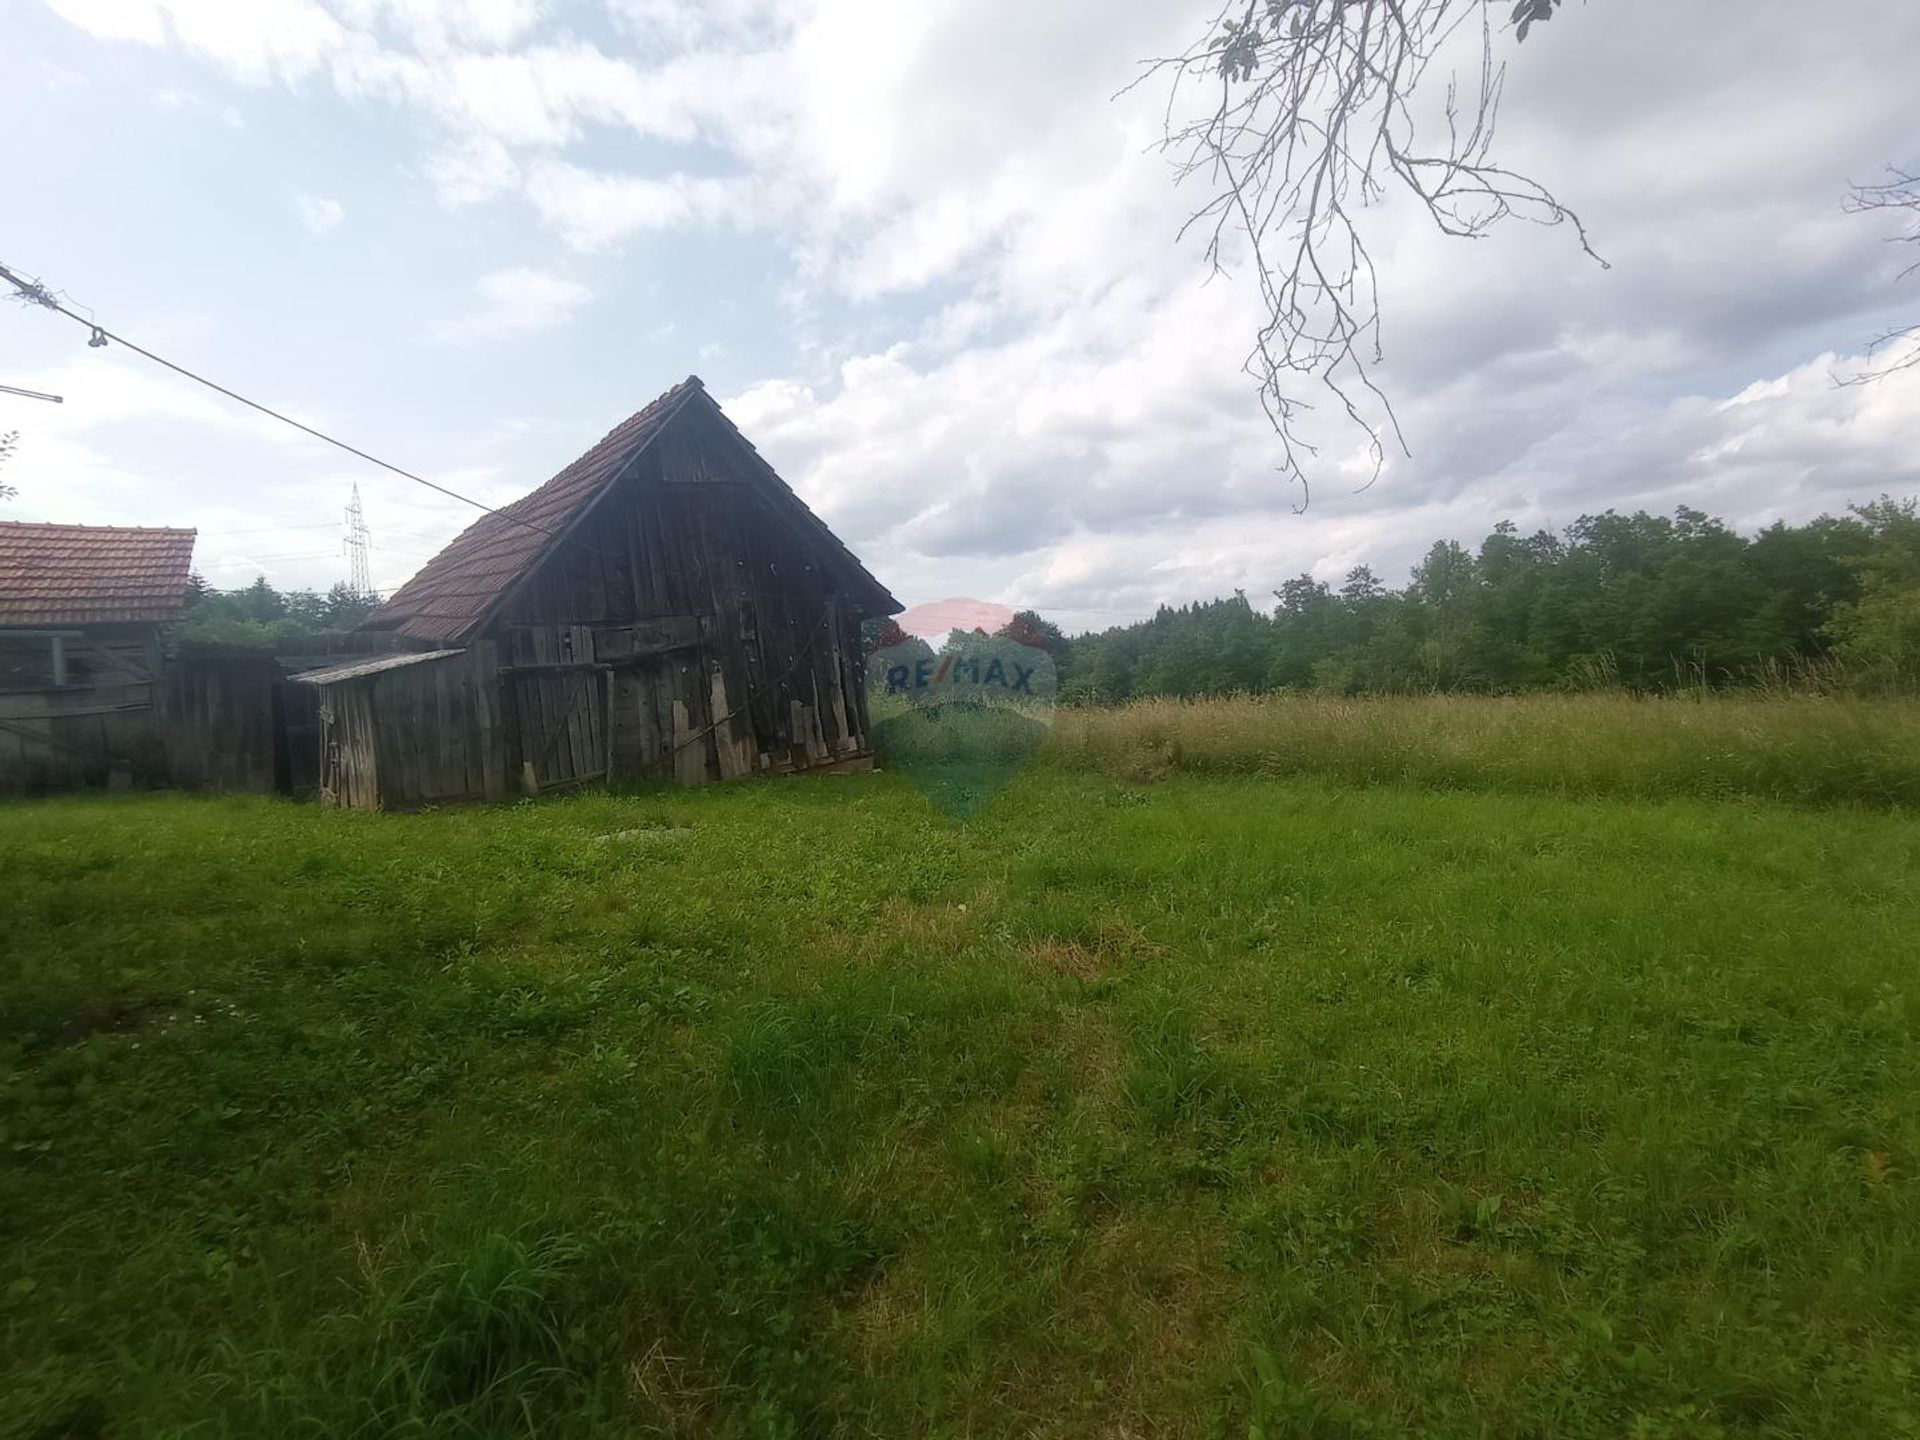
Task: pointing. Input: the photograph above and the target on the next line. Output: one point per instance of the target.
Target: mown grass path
(1206, 1107)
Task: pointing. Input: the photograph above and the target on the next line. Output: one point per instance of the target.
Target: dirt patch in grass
(84, 1419)
(883, 1318)
(675, 1394)
(1161, 1296)
(937, 926)
(1066, 957)
(1089, 957)
(101, 1017)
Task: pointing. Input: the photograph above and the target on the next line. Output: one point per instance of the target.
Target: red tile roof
(454, 593)
(61, 575)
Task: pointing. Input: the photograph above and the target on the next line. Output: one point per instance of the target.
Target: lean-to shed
(664, 605)
(400, 731)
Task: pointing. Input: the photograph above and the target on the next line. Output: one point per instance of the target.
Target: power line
(36, 293)
(436, 537)
(269, 530)
(245, 557)
(263, 559)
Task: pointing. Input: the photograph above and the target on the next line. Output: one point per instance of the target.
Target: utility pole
(358, 542)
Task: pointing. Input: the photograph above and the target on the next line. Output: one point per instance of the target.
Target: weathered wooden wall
(229, 722)
(98, 730)
(730, 653)
(220, 724)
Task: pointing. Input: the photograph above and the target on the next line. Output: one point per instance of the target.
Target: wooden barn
(665, 605)
(82, 608)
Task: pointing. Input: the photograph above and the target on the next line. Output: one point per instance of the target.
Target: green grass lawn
(1216, 1106)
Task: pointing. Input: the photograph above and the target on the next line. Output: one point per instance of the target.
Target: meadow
(1800, 748)
(1241, 1071)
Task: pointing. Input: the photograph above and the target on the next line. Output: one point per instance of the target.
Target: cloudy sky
(928, 263)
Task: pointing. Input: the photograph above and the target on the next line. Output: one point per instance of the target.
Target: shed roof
(456, 591)
(360, 668)
(60, 575)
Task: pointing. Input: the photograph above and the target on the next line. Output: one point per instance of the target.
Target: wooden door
(560, 724)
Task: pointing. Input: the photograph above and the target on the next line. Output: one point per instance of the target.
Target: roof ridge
(652, 410)
(76, 525)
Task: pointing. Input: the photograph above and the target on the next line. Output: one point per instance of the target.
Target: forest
(1638, 602)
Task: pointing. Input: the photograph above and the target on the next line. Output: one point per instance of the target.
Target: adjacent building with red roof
(82, 608)
(67, 589)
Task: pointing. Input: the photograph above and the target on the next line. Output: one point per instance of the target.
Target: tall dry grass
(1804, 749)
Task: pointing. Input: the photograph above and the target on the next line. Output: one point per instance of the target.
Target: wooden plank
(533, 695)
(687, 768)
(78, 700)
(450, 779)
(607, 726)
(129, 658)
(528, 726)
(727, 749)
(573, 727)
(542, 724)
(579, 716)
(493, 769)
(525, 737)
(560, 751)
(588, 758)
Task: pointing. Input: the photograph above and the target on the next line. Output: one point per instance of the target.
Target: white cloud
(550, 95)
(440, 25)
(517, 302)
(258, 42)
(1074, 488)
(142, 20)
(317, 212)
(1067, 418)
(721, 24)
(597, 212)
(183, 102)
(473, 170)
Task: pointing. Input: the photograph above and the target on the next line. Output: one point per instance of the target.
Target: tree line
(259, 617)
(1643, 602)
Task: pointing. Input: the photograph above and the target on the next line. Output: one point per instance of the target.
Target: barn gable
(467, 585)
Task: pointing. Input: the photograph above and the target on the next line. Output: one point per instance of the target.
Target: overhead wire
(35, 292)
(243, 560)
(270, 530)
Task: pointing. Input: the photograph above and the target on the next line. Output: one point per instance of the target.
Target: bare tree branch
(1307, 120)
(1900, 194)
